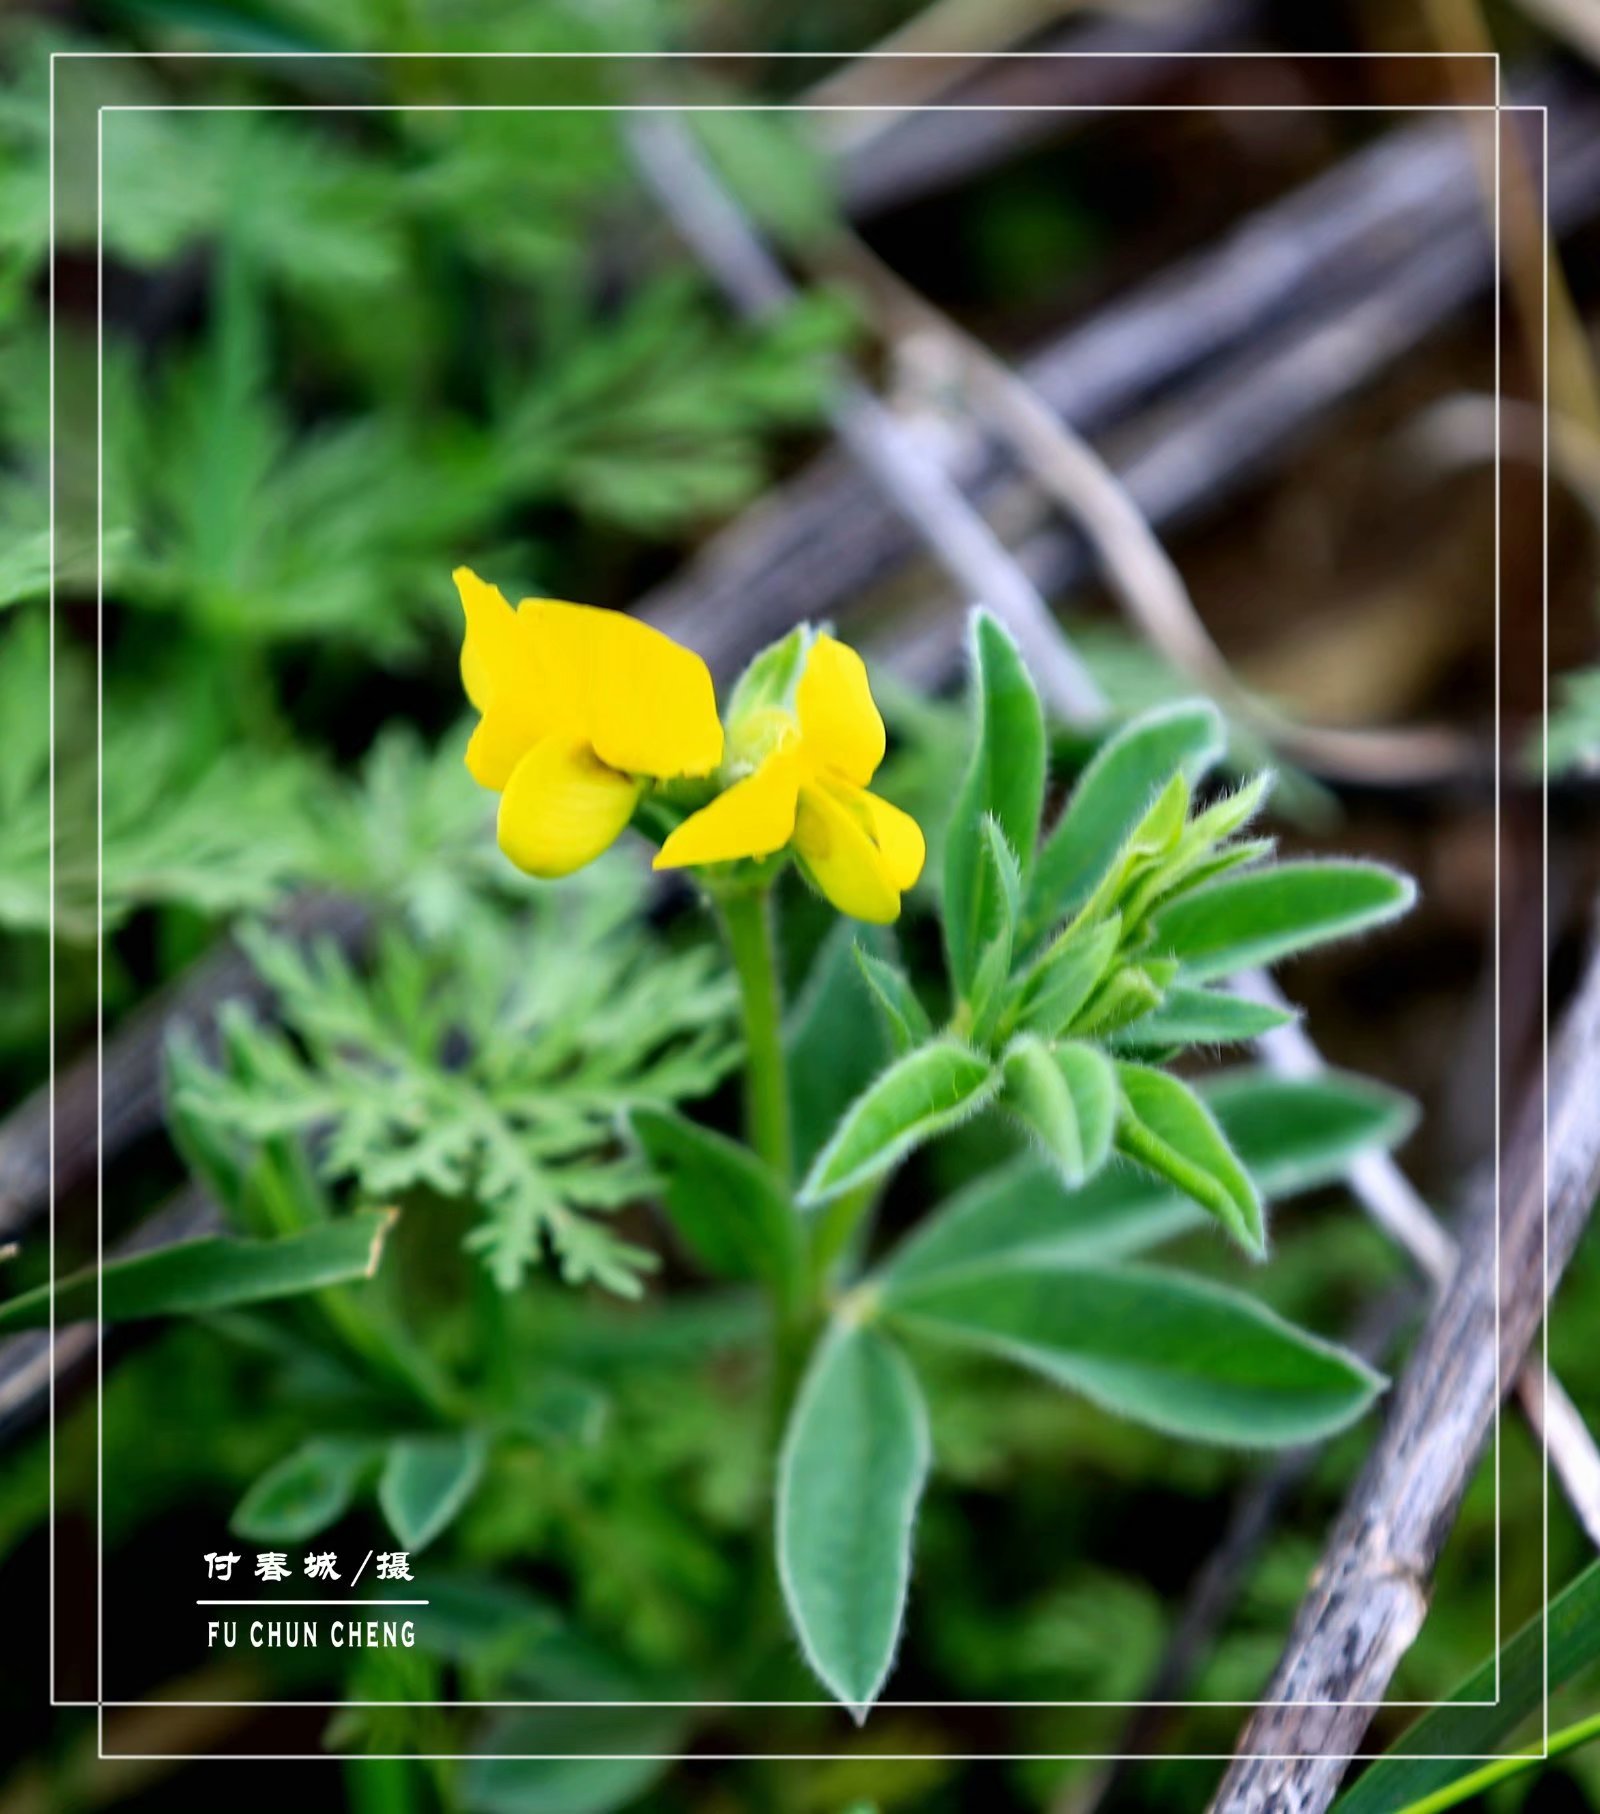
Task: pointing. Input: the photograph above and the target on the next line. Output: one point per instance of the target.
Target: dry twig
(1370, 1592)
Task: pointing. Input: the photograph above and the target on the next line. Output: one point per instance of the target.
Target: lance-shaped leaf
(215, 1272)
(833, 1049)
(1127, 995)
(305, 1492)
(426, 1480)
(1257, 916)
(1556, 1647)
(1004, 782)
(903, 1015)
(1188, 1358)
(1291, 1134)
(1128, 771)
(1065, 975)
(1066, 1095)
(1192, 1016)
(920, 1095)
(729, 1208)
(1200, 852)
(851, 1472)
(1167, 1128)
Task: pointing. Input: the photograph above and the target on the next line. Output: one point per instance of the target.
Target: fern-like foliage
(490, 1067)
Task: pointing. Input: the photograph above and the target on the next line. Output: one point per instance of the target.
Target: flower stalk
(747, 917)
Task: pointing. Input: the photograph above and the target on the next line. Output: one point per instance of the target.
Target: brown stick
(1116, 62)
(1287, 317)
(1370, 1592)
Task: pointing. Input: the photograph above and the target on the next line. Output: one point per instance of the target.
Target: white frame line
(1498, 108)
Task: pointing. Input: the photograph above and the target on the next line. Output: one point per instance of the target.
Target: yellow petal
(512, 725)
(561, 807)
(752, 818)
(842, 859)
(644, 702)
(493, 651)
(838, 720)
(898, 836)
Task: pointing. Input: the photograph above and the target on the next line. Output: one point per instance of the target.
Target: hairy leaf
(1005, 782)
(1065, 975)
(1259, 916)
(853, 1464)
(1188, 1358)
(904, 1016)
(920, 1095)
(1188, 1016)
(1167, 1128)
(1292, 1134)
(1127, 773)
(1067, 1096)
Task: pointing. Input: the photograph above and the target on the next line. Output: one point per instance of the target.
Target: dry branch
(1246, 345)
(917, 486)
(1370, 1592)
(1117, 61)
(130, 1090)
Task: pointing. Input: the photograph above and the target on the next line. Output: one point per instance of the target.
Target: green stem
(747, 917)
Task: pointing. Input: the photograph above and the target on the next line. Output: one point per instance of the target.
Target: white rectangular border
(1497, 108)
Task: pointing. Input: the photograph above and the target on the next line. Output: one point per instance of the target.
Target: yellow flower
(579, 708)
(808, 787)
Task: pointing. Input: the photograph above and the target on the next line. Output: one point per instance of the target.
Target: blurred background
(360, 327)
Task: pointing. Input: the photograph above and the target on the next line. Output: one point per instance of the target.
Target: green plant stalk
(747, 917)
(1464, 1788)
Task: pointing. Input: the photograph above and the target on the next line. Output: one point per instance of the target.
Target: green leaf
(1200, 1017)
(1296, 1133)
(426, 1481)
(306, 1491)
(1200, 854)
(905, 1019)
(1005, 873)
(1292, 1134)
(834, 1050)
(216, 1272)
(1002, 888)
(1259, 916)
(1488, 1706)
(920, 1095)
(1167, 1128)
(732, 1213)
(1188, 1358)
(532, 1769)
(1128, 771)
(1066, 975)
(1067, 1096)
(1127, 995)
(485, 1063)
(1005, 782)
(851, 1472)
